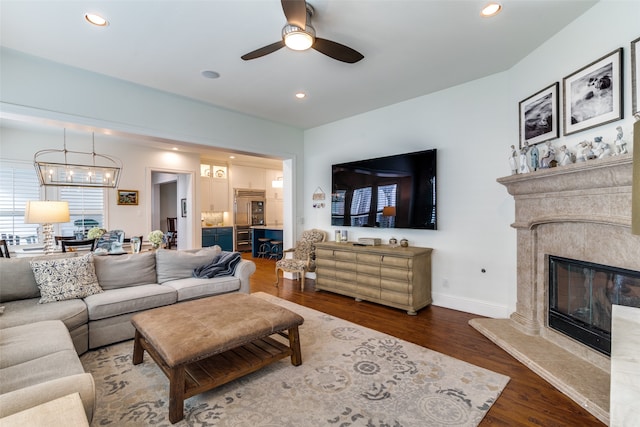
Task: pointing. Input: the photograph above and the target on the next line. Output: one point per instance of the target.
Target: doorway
(168, 189)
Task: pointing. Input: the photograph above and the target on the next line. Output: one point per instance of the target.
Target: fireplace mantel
(580, 211)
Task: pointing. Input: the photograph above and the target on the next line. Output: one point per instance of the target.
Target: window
(360, 206)
(86, 209)
(19, 184)
(386, 199)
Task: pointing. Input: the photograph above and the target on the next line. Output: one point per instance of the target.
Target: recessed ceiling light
(175, 148)
(96, 19)
(491, 9)
(232, 157)
(210, 74)
(301, 95)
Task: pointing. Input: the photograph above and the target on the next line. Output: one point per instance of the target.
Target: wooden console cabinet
(394, 276)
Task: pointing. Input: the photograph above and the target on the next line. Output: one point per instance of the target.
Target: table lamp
(46, 213)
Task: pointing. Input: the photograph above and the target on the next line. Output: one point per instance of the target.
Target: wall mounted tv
(387, 192)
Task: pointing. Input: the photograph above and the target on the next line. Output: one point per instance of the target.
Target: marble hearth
(583, 212)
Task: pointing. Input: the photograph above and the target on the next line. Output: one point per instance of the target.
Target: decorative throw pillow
(68, 278)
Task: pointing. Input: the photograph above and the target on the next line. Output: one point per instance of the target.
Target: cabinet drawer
(395, 286)
(399, 298)
(396, 274)
(400, 262)
(373, 270)
(345, 265)
(370, 259)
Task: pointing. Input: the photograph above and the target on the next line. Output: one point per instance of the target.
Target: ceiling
(411, 48)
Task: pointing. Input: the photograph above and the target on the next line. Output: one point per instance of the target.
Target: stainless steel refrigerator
(248, 210)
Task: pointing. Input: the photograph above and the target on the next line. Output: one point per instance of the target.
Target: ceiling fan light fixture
(298, 39)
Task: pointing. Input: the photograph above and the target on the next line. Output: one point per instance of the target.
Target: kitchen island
(264, 231)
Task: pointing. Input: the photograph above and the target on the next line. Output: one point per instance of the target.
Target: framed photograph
(183, 207)
(635, 75)
(593, 94)
(539, 118)
(128, 197)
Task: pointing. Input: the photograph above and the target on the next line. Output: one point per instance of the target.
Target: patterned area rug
(350, 376)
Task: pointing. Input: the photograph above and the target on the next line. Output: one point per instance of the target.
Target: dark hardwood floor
(528, 400)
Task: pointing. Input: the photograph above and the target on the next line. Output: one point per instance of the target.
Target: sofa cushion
(23, 343)
(173, 265)
(16, 277)
(73, 313)
(192, 287)
(52, 366)
(128, 300)
(125, 270)
(63, 279)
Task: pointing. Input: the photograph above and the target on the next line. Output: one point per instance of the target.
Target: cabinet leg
(412, 312)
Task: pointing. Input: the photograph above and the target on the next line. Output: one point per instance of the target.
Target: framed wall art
(635, 75)
(539, 118)
(183, 207)
(593, 94)
(128, 197)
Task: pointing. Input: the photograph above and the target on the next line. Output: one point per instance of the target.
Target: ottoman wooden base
(211, 366)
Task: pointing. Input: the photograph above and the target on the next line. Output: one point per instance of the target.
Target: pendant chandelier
(85, 169)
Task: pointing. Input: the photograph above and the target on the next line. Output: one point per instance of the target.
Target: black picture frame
(593, 94)
(539, 116)
(635, 75)
(183, 207)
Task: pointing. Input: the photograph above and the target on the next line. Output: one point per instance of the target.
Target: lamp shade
(46, 212)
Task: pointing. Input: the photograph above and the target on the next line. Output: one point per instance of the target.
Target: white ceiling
(411, 48)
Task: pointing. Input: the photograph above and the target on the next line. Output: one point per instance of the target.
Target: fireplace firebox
(581, 295)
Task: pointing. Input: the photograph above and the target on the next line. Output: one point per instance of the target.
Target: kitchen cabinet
(214, 194)
(221, 236)
(394, 276)
(248, 177)
(274, 213)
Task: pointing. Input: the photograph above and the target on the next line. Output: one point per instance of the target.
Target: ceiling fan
(299, 34)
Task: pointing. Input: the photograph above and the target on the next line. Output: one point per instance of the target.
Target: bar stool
(264, 250)
(276, 250)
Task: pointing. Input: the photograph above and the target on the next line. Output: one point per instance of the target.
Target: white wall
(472, 126)
(34, 87)
(20, 145)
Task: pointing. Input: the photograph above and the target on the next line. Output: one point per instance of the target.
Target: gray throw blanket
(223, 264)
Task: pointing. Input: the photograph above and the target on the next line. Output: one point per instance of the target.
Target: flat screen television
(396, 191)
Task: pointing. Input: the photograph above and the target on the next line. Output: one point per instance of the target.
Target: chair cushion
(63, 279)
(125, 270)
(173, 265)
(291, 265)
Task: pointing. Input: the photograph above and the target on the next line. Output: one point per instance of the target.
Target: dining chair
(4, 249)
(59, 239)
(172, 232)
(79, 244)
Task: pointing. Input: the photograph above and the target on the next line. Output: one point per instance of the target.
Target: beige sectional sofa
(130, 284)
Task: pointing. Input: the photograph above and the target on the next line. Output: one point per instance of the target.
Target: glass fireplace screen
(580, 298)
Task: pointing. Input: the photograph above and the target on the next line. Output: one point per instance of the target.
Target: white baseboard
(481, 308)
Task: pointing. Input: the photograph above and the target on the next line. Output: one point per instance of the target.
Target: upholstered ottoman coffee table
(208, 342)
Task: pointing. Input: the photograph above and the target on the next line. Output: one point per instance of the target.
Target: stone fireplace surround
(580, 211)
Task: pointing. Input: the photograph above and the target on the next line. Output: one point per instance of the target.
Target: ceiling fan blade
(263, 51)
(296, 12)
(337, 51)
